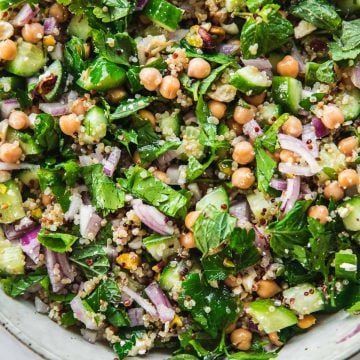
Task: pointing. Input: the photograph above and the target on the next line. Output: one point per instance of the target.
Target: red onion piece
(145, 304)
(278, 184)
(40, 306)
(355, 75)
(177, 35)
(291, 143)
(25, 14)
(90, 222)
(309, 139)
(7, 106)
(65, 266)
(293, 169)
(16, 231)
(164, 160)
(320, 129)
(50, 26)
(228, 49)
(30, 245)
(297, 56)
(241, 211)
(260, 63)
(136, 317)
(152, 218)
(261, 239)
(291, 194)
(161, 302)
(173, 175)
(23, 166)
(74, 208)
(141, 4)
(82, 314)
(54, 109)
(252, 129)
(112, 161)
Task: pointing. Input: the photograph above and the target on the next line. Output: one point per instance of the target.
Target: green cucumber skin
(8, 84)
(58, 70)
(352, 219)
(218, 197)
(161, 247)
(12, 197)
(286, 92)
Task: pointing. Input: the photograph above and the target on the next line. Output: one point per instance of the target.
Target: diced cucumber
(331, 157)
(250, 80)
(234, 5)
(269, 317)
(304, 299)
(10, 196)
(346, 265)
(12, 259)
(29, 60)
(161, 247)
(260, 205)
(351, 213)
(348, 6)
(269, 112)
(56, 69)
(79, 26)
(25, 140)
(217, 197)
(170, 124)
(9, 84)
(349, 103)
(286, 91)
(171, 275)
(190, 145)
(95, 123)
(102, 75)
(310, 72)
(29, 178)
(163, 14)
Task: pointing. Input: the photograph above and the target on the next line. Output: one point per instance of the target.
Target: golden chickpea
(243, 115)
(274, 338)
(288, 156)
(149, 116)
(348, 145)
(8, 50)
(348, 178)
(116, 95)
(169, 87)
(332, 116)
(243, 178)
(10, 153)
(45, 199)
(267, 288)
(187, 240)
(243, 153)
(198, 68)
(334, 191)
(151, 78)
(288, 66)
(161, 176)
(236, 127)
(306, 322)
(18, 120)
(292, 126)
(232, 281)
(32, 33)
(191, 218)
(241, 339)
(59, 12)
(69, 124)
(217, 108)
(256, 100)
(79, 107)
(320, 213)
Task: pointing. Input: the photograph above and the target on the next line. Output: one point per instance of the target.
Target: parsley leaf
(131, 106)
(56, 241)
(46, 132)
(270, 139)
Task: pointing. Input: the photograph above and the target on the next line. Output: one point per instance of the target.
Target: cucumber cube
(286, 92)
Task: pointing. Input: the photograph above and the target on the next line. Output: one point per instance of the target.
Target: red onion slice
(23, 166)
(90, 222)
(355, 75)
(7, 106)
(30, 245)
(278, 184)
(241, 211)
(112, 161)
(82, 314)
(17, 230)
(260, 63)
(320, 129)
(54, 109)
(25, 14)
(50, 26)
(296, 55)
(161, 302)
(136, 317)
(152, 218)
(293, 169)
(291, 194)
(310, 140)
(141, 4)
(145, 304)
(228, 49)
(261, 239)
(252, 129)
(65, 266)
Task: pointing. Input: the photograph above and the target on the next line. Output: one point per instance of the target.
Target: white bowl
(336, 337)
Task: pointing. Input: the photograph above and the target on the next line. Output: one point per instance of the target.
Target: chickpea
(18, 120)
(161, 176)
(169, 87)
(32, 33)
(267, 288)
(243, 178)
(45, 199)
(236, 127)
(243, 153)
(217, 108)
(292, 126)
(241, 339)
(288, 156)
(116, 95)
(243, 115)
(69, 124)
(288, 66)
(191, 218)
(187, 240)
(256, 100)
(198, 68)
(320, 213)
(348, 178)
(59, 12)
(151, 78)
(10, 153)
(8, 50)
(348, 145)
(334, 191)
(232, 281)
(149, 116)
(332, 116)
(79, 106)
(306, 322)
(274, 338)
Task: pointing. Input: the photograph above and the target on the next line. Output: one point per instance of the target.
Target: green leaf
(195, 169)
(213, 308)
(46, 132)
(325, 73)
(127, 137)
(190, 85)
(254, 5)
(354, 309)
(208, 81)
(130, 106)
(122, 349)
(251, 356)
(308, 102)
(74, 56)
(105, 195)
(317, 12)
(270, 139)
(71, 171)
(56, 241)
(6, 4)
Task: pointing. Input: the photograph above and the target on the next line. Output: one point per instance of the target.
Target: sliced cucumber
(348, 6)
(346, 265)
(29, 178)
(26, 141)
(170, 124)
(10, 196)
(286, 91)
(260, 205)
(161, 247)
(250, 80)
(57, 70)
(331, 157)
(351, 214)
(102, 75)
(269, 317)
(269, 112)
(9, 84)
(304, 299)
(217, 197)
(95, 123)
(190, 145)
(349, 103)
(12, 258)
(171, 275)
(29, 60)
(163, 14)
(79, 27)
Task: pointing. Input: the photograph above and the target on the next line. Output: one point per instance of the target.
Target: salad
(181, 175)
